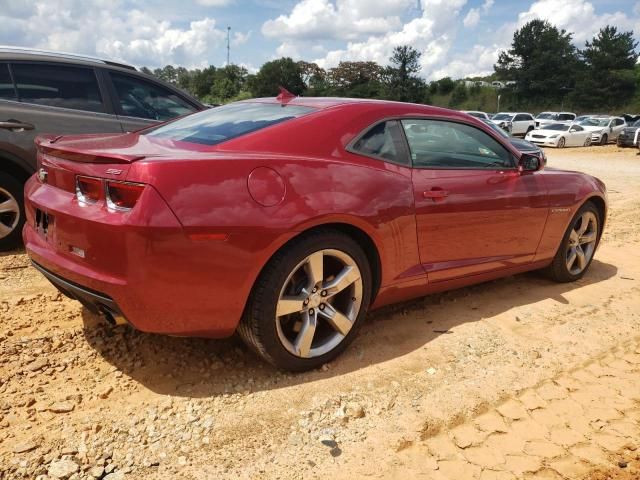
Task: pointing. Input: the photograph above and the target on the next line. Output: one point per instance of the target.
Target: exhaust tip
(112, 317)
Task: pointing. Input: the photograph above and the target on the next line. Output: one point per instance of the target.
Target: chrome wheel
(587, 142)
(582, 242)
(319, 303)
(561, 142)
(9, 213)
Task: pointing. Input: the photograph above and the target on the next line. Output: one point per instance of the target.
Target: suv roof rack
(70, 56)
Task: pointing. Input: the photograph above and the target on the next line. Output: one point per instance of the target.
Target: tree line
(546, 66)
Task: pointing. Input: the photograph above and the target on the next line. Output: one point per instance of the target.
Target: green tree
(609, 76)
(402, 82)
(356, 79)
(283, 72)
(542, 60)
(445, 85)
(228, 82)
(459, 95)
(314, 78)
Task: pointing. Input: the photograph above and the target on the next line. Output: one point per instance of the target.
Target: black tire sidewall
(561, 272)
(267, 291)
(16, 188)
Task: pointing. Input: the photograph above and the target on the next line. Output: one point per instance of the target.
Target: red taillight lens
(123, 195)
(88, 189)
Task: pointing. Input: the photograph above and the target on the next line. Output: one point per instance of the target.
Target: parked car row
(54, 93)
(564, 129)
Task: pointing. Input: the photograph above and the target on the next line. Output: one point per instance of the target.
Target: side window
(58, 86)
(576, 128)
(441, 144)
(382, 141)
(7, 92)
(520, 117)
(140, 98)
(566, 116)
(619, 121)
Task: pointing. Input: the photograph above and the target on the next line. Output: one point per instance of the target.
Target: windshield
(595, 122)
(544, 116)
(502, 116)
(496, 128)
(556, 126)
(636, 123)
(219, 124)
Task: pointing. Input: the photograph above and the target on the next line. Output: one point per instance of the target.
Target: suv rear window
(219, 124)
(58, 86)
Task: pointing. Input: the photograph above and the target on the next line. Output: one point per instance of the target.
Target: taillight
(88, 189)
(123, 195)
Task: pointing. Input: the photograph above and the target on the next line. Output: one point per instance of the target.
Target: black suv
(47, 92)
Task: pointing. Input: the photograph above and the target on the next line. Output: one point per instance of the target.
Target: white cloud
(472, 18)
(344, 19)
(576, 16)
(111, 30)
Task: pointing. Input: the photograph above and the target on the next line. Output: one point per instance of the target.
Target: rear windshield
(219, 124)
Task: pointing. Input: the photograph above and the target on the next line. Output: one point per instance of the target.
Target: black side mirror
(530, 163)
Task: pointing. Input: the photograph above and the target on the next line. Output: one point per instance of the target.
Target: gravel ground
(514, 378)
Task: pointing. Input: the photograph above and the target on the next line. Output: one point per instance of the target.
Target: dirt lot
(515, 378)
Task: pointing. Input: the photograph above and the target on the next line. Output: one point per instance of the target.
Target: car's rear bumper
(144, 268)
(95, 302)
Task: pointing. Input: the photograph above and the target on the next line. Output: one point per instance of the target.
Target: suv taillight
(123, 196)
(88, 189)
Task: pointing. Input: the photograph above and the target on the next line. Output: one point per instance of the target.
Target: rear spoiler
(46, 145)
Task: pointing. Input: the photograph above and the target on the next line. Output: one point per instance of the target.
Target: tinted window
(546, 116)
(566, 116)
(6, 85)
(438, 144)
(139, 98)
(229, 121)
(381, 141)
(577, 128)
(556, 126)
(619, 121)
(58, 86)
(502, 116)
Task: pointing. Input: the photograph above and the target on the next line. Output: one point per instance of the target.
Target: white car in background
(477, 114)
(515, 123)
(560, 135)
(604, 129)
(547, 118)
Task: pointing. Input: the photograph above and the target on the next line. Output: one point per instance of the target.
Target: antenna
(228, 44)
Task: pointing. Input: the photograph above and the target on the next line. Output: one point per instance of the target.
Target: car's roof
(21, 53)
(327, 102)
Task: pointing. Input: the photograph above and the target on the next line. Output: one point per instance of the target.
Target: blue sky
(456, 37)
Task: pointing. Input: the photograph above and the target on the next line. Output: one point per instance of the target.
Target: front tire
(309, 302)
(579, 243)
(561, 142)
(604, 140)
(11, 211)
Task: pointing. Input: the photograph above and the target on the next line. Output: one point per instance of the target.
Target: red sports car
(287, 219)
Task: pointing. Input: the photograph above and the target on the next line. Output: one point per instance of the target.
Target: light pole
(498, 109)
(228, 44)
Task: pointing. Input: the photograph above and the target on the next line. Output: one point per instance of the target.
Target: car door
(618, 126)
(475, 212)
(51, 98)
(140, 103)
(576, 136)
(521, 123)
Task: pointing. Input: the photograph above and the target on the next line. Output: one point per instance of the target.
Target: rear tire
(288, 301)
(11, 211)
(578, 246)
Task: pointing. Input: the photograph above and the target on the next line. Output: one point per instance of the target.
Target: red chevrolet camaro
(287, 219)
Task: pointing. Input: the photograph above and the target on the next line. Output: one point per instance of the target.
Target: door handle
(435, 194)
(12, 124)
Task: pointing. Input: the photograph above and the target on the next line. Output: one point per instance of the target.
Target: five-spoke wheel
(578, 245)
(309, 301)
